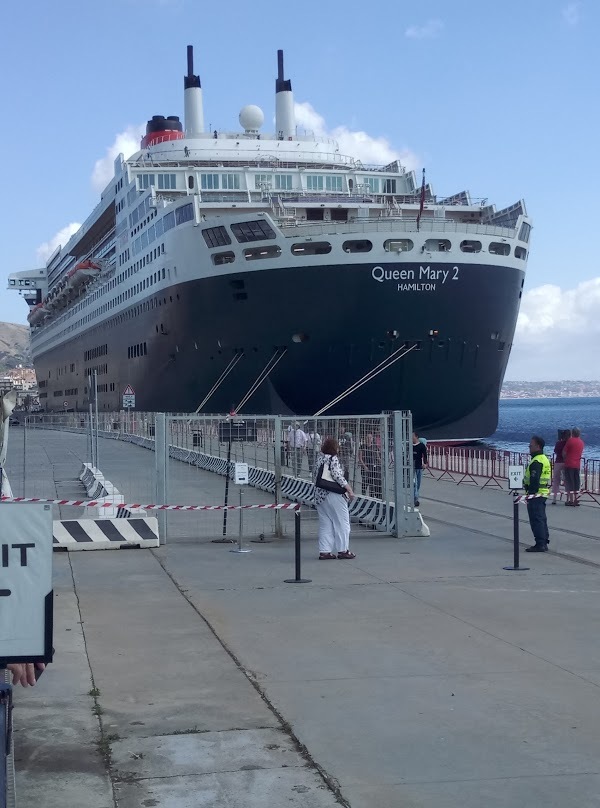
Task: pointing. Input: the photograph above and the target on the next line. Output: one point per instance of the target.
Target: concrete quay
(420, 675)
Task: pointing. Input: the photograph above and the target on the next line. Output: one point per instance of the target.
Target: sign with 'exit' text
(26, 605)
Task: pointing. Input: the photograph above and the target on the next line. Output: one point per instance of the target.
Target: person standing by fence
(313, 447)
(369, 460)
(420, 461)
(297, 444)
(558, 463)
(536, 481)
(332, 492)
(572, 458)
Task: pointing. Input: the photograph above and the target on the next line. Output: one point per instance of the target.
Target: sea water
(521, 418)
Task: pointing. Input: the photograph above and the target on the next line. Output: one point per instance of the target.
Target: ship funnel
(285, 119)
(194, 112)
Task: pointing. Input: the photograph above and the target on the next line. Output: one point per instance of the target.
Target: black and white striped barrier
(104, 534)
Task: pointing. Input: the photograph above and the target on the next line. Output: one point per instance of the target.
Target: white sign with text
(241, 474)
(26, 600)
(515, 477)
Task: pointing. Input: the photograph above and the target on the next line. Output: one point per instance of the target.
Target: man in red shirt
(572, 458)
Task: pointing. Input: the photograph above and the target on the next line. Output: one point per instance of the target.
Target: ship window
(185, 213)
(169, 221)
(144, 240)
(398, 245)
(151, 234)
(145, 181)
(339, 214)
(520, 252)
(230, 182)
(263, 181)
(437, 245)
(333, 182)
(283, 182)
(267, 251)
(311, 248)
(223, 258)
(158, 227)
(216, 237)
(252, 231)
(499, 248)
(358, 245)
(389, 186)
(524, 232)
(163, 273)
(209, 182)
(190, 183)
(314, 182)
(470, 246)
(167, 181)
(372, 184)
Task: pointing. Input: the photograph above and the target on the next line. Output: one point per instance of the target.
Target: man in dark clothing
(537, 481)
(419, 463)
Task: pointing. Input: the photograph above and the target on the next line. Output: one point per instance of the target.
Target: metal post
(224, 539)
(516, 567)
(96, 408)
(403, 471)
(298, 553)
(385, 461)
(160, 446)
(227, 475)
(239, 548)
(278, 445)
(25, 426)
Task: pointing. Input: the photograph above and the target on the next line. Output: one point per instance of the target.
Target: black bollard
(516, 566)
(297, 536)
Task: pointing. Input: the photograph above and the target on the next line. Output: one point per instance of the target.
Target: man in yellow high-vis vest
(537, 481)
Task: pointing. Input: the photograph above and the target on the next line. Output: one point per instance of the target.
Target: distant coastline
(551, 389)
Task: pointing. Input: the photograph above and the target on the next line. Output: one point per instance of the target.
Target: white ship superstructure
(199, 224)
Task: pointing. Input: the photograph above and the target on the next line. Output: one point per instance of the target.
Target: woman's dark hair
(330, 446)
(566, 434)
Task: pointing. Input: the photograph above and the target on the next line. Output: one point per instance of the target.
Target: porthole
(499, 248)
(357, 246)
(398, 245)
(311, 248)
(470, 246)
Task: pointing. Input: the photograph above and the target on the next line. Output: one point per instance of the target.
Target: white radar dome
(251, 118)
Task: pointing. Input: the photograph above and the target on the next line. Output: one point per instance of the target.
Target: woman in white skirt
(332, 507)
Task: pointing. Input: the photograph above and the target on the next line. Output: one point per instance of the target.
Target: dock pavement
(419, 675)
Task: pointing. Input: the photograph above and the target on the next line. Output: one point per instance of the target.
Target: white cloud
(572, 13)
(127, 142)
(364, 147)
(45, 250)
(430, 30)
(558, 332)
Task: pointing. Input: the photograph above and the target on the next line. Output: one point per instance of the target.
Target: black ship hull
(336, 323)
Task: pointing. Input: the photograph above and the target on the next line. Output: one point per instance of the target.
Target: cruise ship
(268, 272)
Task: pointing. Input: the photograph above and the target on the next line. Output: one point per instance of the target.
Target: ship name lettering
(430, 274)
(416, 287)
(380, 274)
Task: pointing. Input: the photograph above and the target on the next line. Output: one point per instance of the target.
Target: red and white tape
(526, 497)
(92, 503)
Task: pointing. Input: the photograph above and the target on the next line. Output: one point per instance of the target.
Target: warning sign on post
(515, 477)
(128, 397)
(26, 605)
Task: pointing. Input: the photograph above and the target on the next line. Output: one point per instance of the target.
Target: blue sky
(497, 98)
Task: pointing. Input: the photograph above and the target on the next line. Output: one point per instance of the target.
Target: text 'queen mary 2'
(269, 270)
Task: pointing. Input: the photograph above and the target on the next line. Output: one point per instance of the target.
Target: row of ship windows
(280, 182)
(94, 353)
(258, 230)
(364, 246)
(141, 349)
(182, 214)
(74, 391)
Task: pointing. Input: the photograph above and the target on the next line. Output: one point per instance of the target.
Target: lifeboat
(82, 274)
(37, 314)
